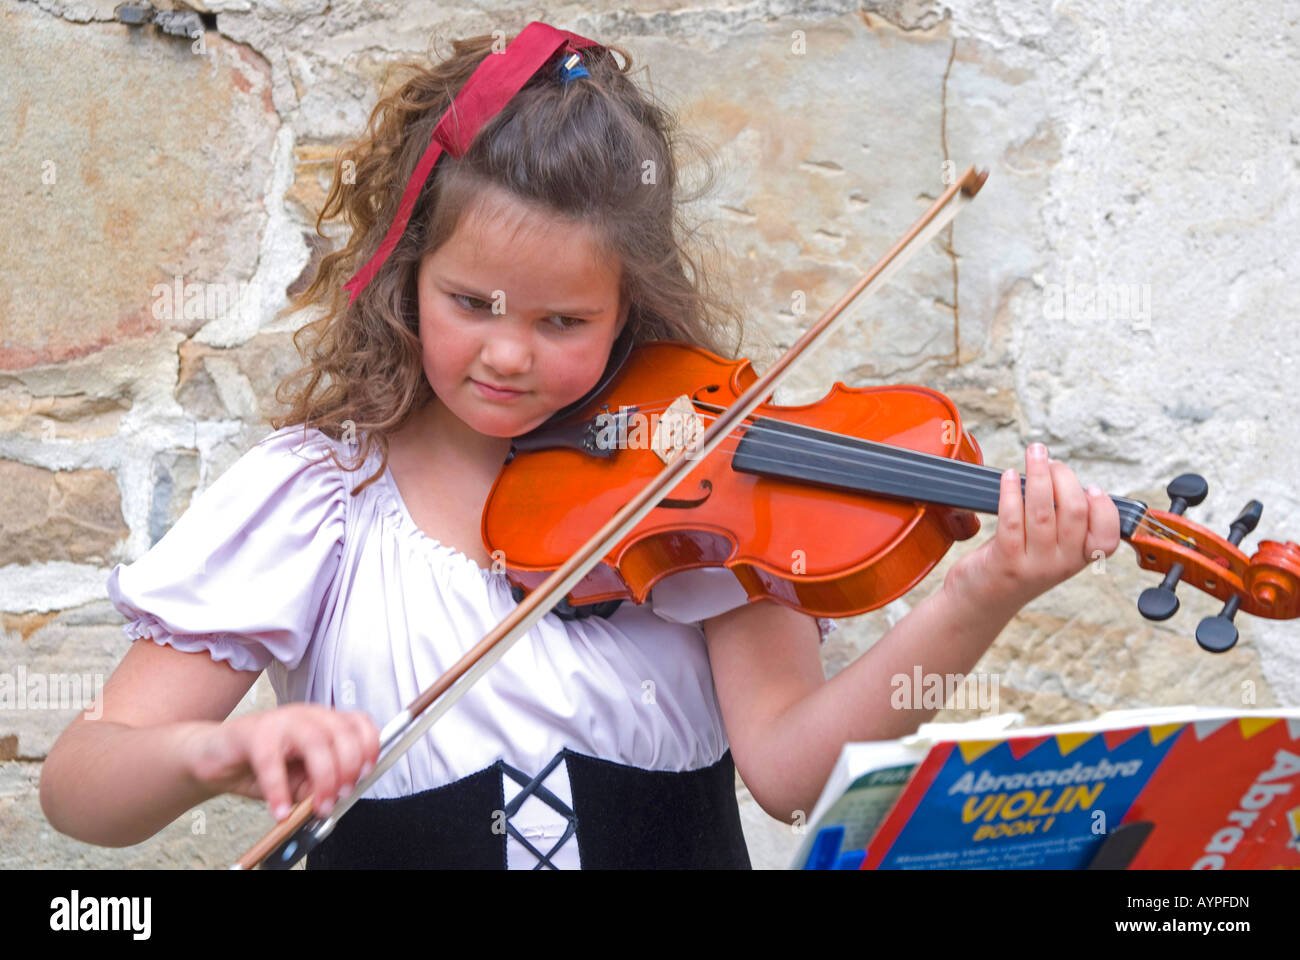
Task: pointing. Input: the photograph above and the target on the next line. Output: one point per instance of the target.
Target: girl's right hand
(285, 755)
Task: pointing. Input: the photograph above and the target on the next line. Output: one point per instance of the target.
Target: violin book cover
(1204, 788)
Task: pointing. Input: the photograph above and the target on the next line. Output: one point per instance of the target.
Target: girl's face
(529, 311)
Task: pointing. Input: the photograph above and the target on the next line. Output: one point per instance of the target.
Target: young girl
(604, 738)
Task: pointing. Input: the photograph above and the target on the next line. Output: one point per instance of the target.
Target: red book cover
(1221, 792)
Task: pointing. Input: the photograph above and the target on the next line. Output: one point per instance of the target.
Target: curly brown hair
(598, 149)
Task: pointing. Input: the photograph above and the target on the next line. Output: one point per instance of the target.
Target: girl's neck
(440, 434)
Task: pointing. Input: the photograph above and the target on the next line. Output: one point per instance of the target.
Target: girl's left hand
(1047, 536)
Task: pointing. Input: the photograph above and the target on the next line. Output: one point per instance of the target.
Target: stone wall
(1121, 289)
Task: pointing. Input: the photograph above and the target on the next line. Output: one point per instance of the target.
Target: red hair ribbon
(498, 78)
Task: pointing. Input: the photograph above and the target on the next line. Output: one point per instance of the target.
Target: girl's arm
(160, 747)
(119, 779)
(787, 724)
(251, 560)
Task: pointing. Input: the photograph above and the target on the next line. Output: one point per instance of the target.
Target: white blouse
(347, 602)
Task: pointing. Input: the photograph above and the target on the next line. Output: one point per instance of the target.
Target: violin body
(821, 550)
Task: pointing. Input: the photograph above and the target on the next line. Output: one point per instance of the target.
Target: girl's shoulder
(288, 476)
(244, 570)
(301, 442)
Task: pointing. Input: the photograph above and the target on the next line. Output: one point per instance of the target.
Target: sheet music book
(1220, 789)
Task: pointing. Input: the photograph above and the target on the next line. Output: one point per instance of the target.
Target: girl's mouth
(496, 393)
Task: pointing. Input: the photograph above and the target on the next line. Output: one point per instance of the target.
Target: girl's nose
(507, 352)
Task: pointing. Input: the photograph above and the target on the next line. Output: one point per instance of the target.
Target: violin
(832, 508)
(724, 477)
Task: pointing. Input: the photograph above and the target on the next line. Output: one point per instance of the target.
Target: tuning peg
(1186, 490)
(1218, 633)
(1160, 602)
(1246, 521)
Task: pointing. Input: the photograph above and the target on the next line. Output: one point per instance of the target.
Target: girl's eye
(469, 303)
(474, 304)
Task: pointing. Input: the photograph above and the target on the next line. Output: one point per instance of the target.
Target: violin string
(960, 473)
(1129, 513)
(963, 469)
(1129, 509)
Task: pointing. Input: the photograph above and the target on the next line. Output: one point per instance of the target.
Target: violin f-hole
(707, 388)
(677, 504)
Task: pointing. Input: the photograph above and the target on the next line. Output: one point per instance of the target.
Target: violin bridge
(678, 428)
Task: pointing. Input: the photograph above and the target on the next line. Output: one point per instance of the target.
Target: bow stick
(300, 832)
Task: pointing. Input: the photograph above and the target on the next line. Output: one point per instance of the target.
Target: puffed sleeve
(694, 595)
(243, 574)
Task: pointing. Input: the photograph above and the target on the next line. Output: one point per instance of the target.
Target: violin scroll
(1264, 585)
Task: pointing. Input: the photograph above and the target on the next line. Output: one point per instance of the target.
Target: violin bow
(300, 832)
